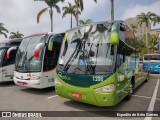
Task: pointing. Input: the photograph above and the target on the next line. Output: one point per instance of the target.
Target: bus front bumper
(85, 95)
(29, 83)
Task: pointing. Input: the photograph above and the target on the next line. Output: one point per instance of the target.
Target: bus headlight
(57, 82)
(107, 88)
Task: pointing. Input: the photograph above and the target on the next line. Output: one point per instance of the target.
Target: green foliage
(134, 27)
(138, 44)
(70, 9)
(153, 43)
(79, 7)
(3, 30)
(51, 4)
(16, 35)
(147, 19)
(82, 22)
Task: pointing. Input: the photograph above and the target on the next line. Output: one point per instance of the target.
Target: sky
(20, 15)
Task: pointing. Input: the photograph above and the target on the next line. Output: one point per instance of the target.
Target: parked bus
(151, 63)
(11, 42)
(7, 61)
(97, 66)
(36, 60)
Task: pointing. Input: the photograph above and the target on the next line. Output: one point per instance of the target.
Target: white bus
(8, 50)
(36, 60)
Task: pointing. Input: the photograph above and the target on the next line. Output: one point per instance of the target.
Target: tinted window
(14, 43)
(11, 60)
(129, 37)
(51, 57)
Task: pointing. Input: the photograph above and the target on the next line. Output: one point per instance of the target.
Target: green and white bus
(97, 66)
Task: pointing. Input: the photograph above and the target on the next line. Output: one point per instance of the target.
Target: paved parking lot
(16, 98)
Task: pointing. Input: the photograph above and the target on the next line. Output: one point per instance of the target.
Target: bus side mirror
(9, 51)
(37, 49)
(50, 44)
(114, 34)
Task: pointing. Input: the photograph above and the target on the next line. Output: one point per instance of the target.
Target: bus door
(8, 64)
(2, 51)
(51, 58)
(122, 72)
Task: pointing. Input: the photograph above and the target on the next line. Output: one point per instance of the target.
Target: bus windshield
(3, 44)
(152, 57)
(25, 60)
(87, 50)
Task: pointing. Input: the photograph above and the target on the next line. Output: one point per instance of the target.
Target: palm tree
(146, 19)
(51, 4)
(134, 28)
(81, 22)
(112, 9)
(156, 19)
(79, 6)
(70, 9)
(153, 42)
(16, 35)
(3, 30)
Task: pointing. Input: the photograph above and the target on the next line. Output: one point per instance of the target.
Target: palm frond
(57, 8)
(40, 13)
(2, 33)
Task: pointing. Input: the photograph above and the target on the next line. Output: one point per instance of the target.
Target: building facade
(141, 30)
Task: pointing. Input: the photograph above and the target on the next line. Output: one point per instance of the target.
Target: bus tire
(147, 77)
(131, 86)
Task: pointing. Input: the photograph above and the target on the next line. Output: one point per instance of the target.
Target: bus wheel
(147, 77)
(128, 97)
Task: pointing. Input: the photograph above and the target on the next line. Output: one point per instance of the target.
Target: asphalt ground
(17, 98)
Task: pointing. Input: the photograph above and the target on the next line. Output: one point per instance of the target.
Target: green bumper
(89, 96)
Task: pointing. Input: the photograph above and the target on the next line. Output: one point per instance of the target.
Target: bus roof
(11, 40)
(95, 23)
(43, 33)
(4, 47)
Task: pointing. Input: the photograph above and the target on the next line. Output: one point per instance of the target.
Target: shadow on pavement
(7, 84)
(45, 91)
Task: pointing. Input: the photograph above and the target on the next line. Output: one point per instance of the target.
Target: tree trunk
(147, 38)
(71, 20)
(51, 17)
(112, 10)
(77, 16)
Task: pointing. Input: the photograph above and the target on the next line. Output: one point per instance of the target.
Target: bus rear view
(36, 60)
(96, 66)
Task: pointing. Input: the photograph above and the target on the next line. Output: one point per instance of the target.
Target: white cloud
(20, 15)
(137, 9)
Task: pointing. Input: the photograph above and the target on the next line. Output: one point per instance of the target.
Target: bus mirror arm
(9, 51)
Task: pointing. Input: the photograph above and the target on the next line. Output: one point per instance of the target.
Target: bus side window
(121, 56)
(124, 55)
(51, 57)
(11, 60)
(129, 37)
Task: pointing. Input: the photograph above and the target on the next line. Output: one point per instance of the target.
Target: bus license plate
(76, 95)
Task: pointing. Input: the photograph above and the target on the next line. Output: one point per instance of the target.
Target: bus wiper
(77, 69)
(79, 47)
(72, 57)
